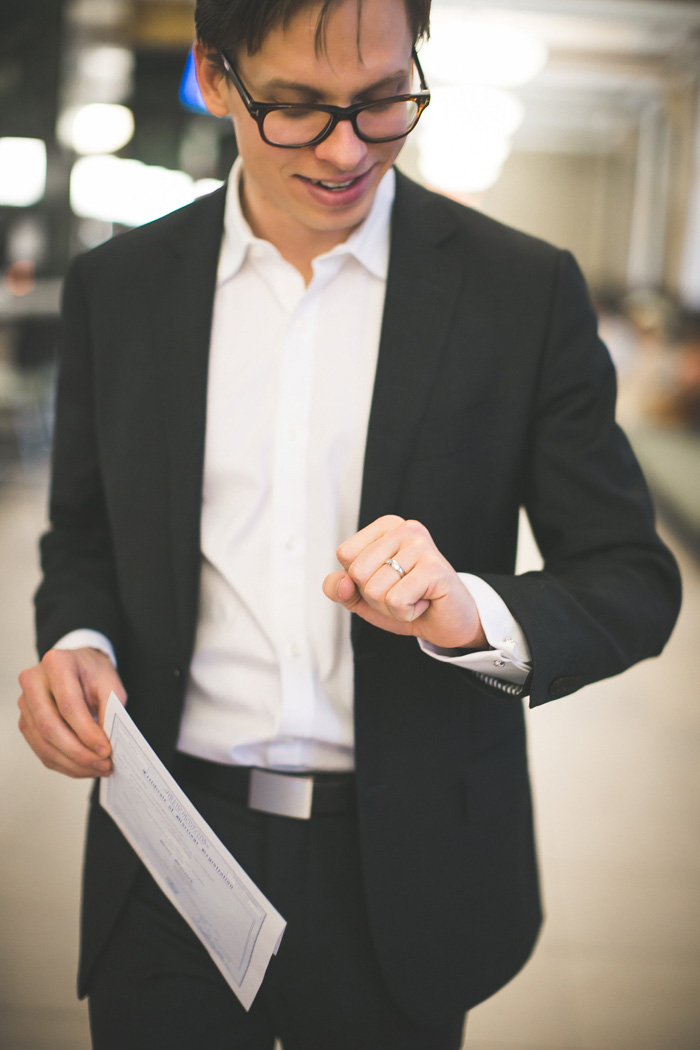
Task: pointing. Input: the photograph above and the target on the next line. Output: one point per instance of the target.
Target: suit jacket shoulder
(439, 218)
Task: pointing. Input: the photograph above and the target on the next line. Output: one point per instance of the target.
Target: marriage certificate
(234, 921)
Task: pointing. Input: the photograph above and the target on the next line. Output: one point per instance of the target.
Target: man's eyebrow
(279, 83)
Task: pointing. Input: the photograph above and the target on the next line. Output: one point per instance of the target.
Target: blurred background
(575, 120)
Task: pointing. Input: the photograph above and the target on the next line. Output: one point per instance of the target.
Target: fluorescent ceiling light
(471, 110)
(106, 63)
(126, 191)
(22, 171)
(464, 50)
(467, 168)
(99, 127)
(464, 138)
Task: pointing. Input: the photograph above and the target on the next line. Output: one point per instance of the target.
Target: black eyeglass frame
(259, 110)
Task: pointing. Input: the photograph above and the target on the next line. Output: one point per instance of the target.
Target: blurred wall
(582, 202)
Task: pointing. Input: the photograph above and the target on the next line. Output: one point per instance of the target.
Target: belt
(283, 794)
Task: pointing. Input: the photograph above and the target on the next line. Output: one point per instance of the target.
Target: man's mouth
(333, 186)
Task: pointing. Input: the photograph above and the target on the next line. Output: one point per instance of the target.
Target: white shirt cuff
(509, 660)
(84, 638)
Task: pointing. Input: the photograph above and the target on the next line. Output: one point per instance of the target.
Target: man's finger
(340, 588)
(70, 758)
(352, 547)
(72, 684)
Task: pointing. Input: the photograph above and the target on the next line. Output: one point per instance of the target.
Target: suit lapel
(186, 278)
(421, 292)
(422, 286)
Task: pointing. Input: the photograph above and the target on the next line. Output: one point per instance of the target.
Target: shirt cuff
(84, 638)
(509, 660)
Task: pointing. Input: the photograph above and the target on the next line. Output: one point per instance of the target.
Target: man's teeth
(333, 185)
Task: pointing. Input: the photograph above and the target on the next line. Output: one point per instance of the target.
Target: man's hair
(230, 25)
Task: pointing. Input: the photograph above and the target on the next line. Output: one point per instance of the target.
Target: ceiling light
(22, 171)
(99, 127)
(126, 191)
(467, 167)
(470, 110)
(115, 64)
(464, 50)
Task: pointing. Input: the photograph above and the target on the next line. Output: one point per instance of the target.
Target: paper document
(234, 921)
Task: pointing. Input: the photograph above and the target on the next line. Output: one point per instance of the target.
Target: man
(353, 348)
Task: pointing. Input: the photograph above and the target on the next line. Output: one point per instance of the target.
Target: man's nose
(343, 149)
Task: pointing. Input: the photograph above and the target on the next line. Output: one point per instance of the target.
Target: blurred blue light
(190, 95)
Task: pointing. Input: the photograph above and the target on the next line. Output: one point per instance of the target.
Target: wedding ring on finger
(395, 565)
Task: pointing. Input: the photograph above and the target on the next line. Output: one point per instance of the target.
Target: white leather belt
(286, 796)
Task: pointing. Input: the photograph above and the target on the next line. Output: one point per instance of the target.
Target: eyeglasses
(291, 125)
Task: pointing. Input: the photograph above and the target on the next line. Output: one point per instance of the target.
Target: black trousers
(155, 985)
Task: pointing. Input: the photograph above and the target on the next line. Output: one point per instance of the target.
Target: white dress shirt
(291, 373)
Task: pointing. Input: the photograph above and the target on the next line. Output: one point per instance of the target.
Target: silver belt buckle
(285, 796)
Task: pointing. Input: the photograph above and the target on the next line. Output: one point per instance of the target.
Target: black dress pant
(156, 986)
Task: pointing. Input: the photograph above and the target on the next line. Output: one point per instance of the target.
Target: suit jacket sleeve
(79, 585)
(609, 591)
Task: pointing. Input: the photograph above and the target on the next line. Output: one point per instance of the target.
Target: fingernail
(103, 767)
(104, 750)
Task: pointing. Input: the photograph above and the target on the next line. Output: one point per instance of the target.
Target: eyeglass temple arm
(421, 75)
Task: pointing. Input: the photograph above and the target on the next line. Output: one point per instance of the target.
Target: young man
(319, 344)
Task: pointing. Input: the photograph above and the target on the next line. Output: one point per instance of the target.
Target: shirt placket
(288, 548)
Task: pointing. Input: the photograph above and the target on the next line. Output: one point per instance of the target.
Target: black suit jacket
(492, 391)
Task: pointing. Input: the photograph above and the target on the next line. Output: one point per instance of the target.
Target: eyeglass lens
(296, 127)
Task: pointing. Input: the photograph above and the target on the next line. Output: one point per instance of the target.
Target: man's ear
(212, 83)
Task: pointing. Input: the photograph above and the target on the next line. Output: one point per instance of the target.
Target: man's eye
(296, 114)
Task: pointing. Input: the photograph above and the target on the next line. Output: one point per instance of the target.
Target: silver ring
(395, 565)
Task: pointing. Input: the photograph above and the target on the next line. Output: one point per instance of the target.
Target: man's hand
(62, 709)
(428, 601)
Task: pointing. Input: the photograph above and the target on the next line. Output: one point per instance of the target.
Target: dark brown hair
(229, 25)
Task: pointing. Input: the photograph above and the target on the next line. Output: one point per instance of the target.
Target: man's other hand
(427, 600)
(62, 710)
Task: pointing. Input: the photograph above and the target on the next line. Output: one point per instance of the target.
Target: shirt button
(290, 543)
(499, 663)
(295, 650)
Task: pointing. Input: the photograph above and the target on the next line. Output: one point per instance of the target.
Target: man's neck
(297, 244)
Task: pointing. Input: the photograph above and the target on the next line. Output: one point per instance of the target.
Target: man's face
(288, 194)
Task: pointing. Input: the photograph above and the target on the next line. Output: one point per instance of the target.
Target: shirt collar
(369, 243)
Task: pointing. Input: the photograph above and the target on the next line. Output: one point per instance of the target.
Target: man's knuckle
(53, 659)
(416, 528)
